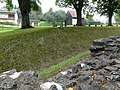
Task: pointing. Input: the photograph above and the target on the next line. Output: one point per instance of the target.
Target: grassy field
(44, 23)
(4, 30)
(40, 48)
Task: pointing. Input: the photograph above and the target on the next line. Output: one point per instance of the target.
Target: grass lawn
(3, 30)
(44, 23)
(41, 48)
(7, 28)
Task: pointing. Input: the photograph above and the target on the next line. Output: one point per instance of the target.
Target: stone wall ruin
(100, 71)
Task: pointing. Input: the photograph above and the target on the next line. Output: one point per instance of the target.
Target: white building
(71, 18)
(8, 16)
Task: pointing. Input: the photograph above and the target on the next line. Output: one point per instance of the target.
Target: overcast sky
(46, 5)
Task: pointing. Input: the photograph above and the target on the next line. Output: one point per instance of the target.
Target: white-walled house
(8, 16)
(71, 18)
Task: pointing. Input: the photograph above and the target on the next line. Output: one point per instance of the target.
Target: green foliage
(72, 3)
(64, 3)
(117, 16)
(40, 16)
(8, 23)
(54, 24)
(59, 16)
(105, 7)
(49, 16)
(9, 4)
(40, 48)
(89, 19)
(55, 17)
(89, 16)
(34, 5)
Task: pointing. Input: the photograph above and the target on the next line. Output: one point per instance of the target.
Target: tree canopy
(9, 4)
(117, 16)
(57, 16)
(107, 7)
(49, 16)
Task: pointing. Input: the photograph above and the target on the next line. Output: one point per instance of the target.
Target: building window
(11, 15)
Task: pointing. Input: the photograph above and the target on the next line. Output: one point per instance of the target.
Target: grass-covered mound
(40, 48)
(3, 30)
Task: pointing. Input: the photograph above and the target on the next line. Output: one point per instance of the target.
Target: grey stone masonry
(26, 80)
(100, 71)
(106, 46)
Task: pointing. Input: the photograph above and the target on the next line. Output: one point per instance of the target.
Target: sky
(46, 5)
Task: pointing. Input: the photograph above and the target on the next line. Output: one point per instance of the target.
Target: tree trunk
(79, 17)
(25, 20)
(110, 19)
(24, 6)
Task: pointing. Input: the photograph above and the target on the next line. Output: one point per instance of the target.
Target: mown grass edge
(58, 67)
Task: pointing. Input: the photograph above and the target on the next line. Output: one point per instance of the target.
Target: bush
(7, 23)
(94, 23)
(54, 24)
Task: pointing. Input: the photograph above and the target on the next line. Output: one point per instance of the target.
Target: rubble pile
(100, 71)
(26, 80)
(109, 47)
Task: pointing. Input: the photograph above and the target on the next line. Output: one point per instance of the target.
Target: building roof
(73, 13)
(5, 10)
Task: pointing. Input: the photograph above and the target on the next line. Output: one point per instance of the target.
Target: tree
(78, 6)
(55, 17)
(107, 7)
(89, 16)
(117, 16)
(49, 16)
(40, 16)
(59, 16)
(25, 7)
(9, 4)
